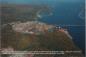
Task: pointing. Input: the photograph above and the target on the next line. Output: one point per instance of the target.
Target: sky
(38, 1)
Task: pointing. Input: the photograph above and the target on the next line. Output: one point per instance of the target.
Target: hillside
(49, 41)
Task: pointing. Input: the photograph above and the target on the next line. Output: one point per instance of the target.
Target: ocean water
(67, 15)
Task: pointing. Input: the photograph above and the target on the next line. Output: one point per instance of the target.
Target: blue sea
(67, 14)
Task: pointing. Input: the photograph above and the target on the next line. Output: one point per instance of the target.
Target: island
(20, 31)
